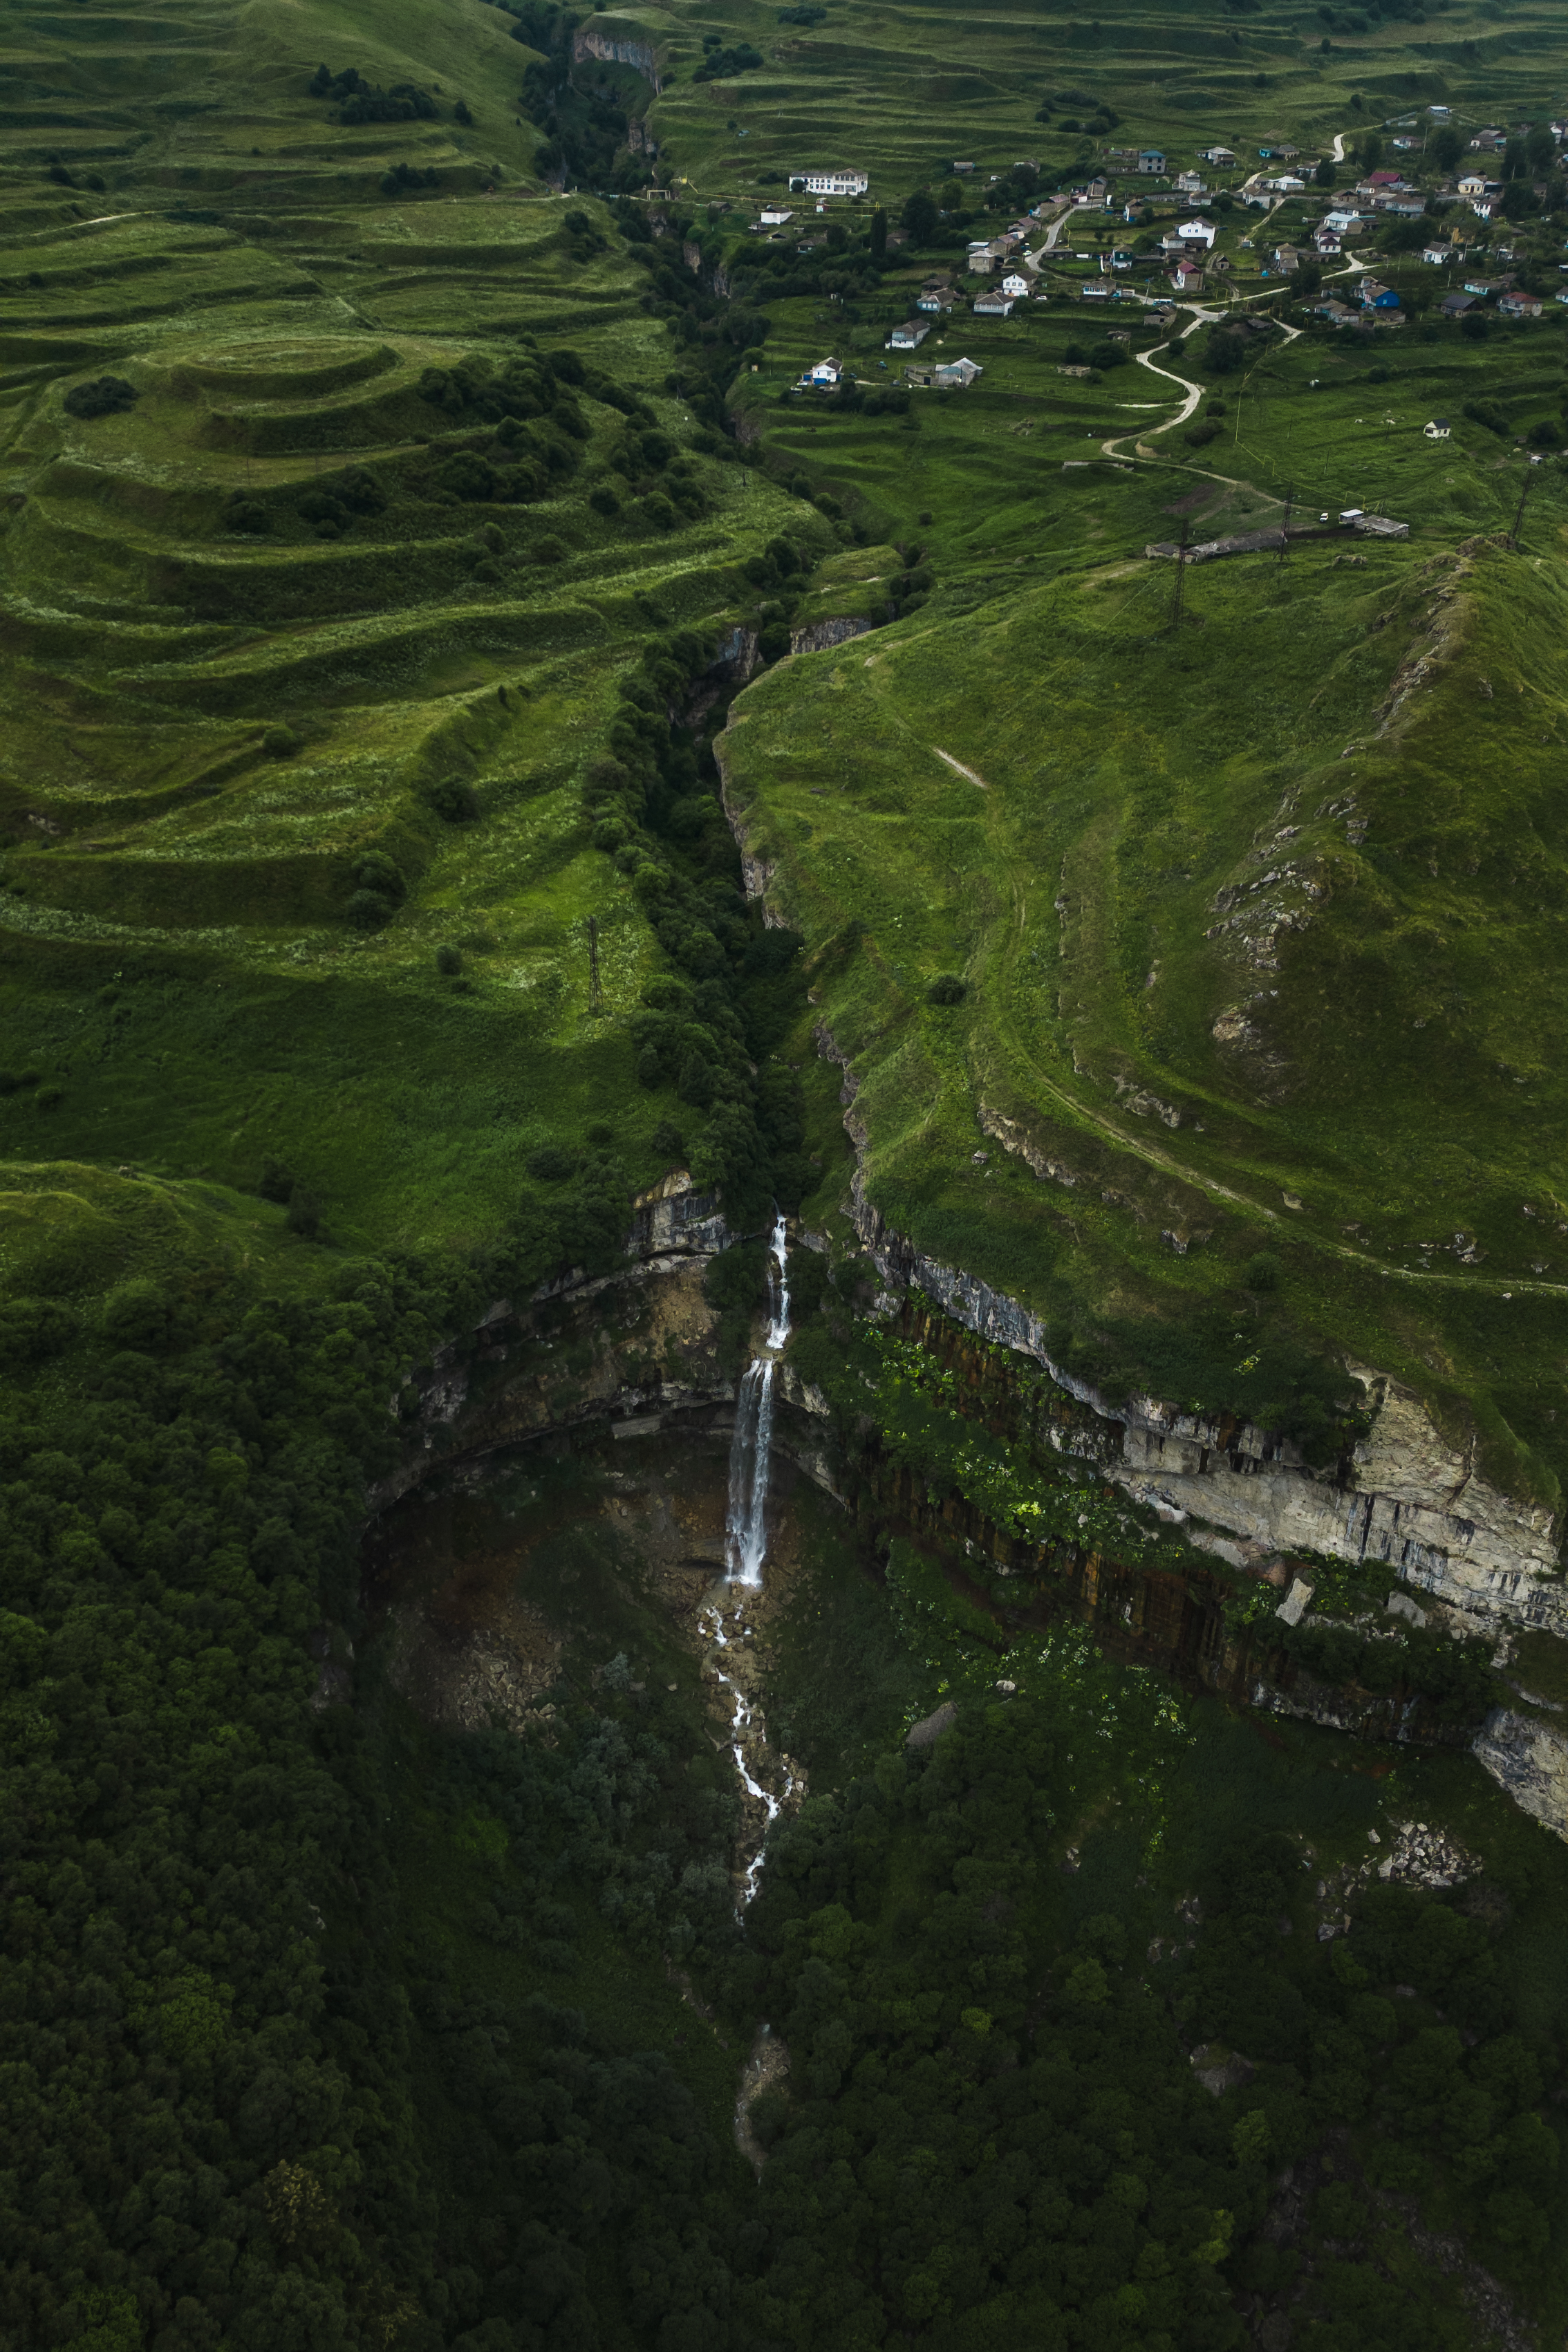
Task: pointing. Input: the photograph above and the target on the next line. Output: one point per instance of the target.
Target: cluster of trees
(709, 1027)
(719, 63)
(105, 395)
(584, 131)
(538, 422)
(993, 2134)
(358, 100)
(244, 2104)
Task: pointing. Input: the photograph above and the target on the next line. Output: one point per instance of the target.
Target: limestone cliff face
(1531, 1761)
(819, 635)
(616, 49)
(496, 1387)
(1411, 1498)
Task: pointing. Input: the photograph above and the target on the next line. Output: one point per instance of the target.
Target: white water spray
(746, 1522)
(746, 1526)
(740, 1723)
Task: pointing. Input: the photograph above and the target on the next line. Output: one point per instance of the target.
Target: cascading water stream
(746, 1522)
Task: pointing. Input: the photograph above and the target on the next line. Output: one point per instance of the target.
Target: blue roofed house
(1151, 159)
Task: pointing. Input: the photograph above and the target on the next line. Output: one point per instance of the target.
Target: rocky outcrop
(1529, 1760)
(1409, 1496)
(617, 49)
(820, 635)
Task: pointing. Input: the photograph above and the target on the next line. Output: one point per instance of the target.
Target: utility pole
(595, 1001)
(1519, 510)
(1285, 525)
(1181, 577)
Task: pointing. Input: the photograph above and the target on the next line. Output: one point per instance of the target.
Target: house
(1455, 306)
(1018, 284)
(909, 336)
(1407, 143)
(1490, 142)
(1286, 153)
(1219, 156)
(1383, 180)
(957, 376)
(1402, 207)
(1472, 183)
(982, 258)
(1120, 258)
(1482, 287)
(774, 217)
(1187, 277)
(824, 376)
(1375, 296)
(1439, 113)
(1101, 293)
(1286, 260)
(1075, 371)
(1326, 241)
(1191, 184)
(1563, 296)
(963, 167)
(1150, 160)
(936, 300)
(1437, 254)
(1438, 430)
(1335, 312)
(1197, 236)
(994, 304)
(833, 184)
(1487, 208)
(1519, 306)
(1287, 184)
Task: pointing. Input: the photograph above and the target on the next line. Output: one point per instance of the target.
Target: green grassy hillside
(900, 93)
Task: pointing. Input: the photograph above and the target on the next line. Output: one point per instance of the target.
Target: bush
(279, 741)
(453, 799)
(669, 1143)
(1488, 413)
(48, 1096)
(449, 961)
(136, 1315)
(1198, 435)
(369, 910)
(375, 871)
(245, 515)
(947, 989)
(549, 1164)
(34, 1329)
(658, 510)
(304, 1216)
(465, 476)
(105, 396)
(276, 1183)
(603, 501)
(1108, 355)
(550, 551)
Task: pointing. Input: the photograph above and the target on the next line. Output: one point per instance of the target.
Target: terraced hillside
(314, 618)
(901, 93)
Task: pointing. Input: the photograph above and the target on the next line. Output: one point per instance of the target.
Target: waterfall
(740, 1724)
(746, 1521)
(746, 1530)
